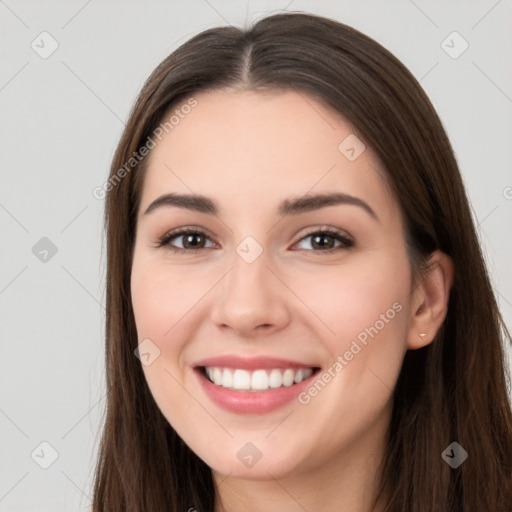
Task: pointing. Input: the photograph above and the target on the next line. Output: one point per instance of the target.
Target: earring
(422, 335)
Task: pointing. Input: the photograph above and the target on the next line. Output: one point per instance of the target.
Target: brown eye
(325, 240)
(191, 240)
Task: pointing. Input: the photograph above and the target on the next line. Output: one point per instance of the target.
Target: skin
(249, 151)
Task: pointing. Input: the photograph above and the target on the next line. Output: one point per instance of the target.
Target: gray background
(61, 117)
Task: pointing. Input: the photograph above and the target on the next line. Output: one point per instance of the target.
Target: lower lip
(254, 402)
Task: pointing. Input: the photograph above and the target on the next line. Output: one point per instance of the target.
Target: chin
(240, 465)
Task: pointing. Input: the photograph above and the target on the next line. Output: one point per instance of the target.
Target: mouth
(258, 380)
(253, 385)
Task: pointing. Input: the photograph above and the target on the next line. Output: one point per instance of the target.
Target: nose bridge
(250, 273)
(250, 295)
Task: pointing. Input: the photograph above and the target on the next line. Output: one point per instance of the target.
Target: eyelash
(166, 239)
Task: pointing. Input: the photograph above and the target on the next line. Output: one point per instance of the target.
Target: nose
(251, 300)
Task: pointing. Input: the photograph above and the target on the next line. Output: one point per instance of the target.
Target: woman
(298, 312)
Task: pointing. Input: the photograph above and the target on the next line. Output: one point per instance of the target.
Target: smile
(256, 381)
(253, 385)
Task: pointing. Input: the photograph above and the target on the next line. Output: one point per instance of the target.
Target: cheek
(364, 311)
(161, 299)
(350, 298)
(152, 301)
(162, 296)
(365, 308)
(166, 300)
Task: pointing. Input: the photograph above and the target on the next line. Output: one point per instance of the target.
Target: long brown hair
(455, 389)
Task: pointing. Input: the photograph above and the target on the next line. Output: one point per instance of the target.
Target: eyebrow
(292, 206)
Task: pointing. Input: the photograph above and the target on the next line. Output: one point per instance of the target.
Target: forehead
(248, 149)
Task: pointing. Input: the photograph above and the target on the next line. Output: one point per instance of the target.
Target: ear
(430, 301)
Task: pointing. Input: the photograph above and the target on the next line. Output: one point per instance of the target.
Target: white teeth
(227, 378)
(217, 376)
(299, 376)
(288, 376)
(258, 380)
(241, 379)
(275, 379)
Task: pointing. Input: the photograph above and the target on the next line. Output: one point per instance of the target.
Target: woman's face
(259, 295)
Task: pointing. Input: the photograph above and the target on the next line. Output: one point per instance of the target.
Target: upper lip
(251, 363)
